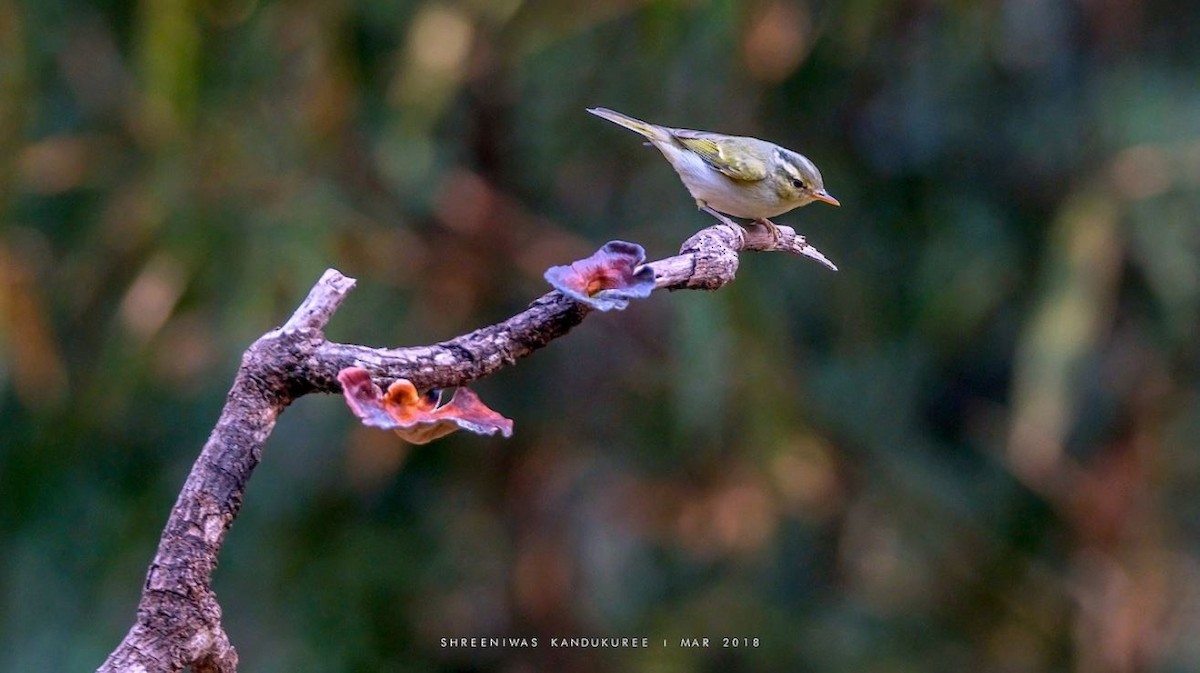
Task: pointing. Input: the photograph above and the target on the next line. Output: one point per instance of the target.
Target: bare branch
(318, 307)
(178, 619)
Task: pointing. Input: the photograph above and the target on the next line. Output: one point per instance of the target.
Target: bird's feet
(776, 234)
(772, 228)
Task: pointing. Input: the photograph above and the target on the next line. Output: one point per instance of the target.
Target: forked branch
(178, 621)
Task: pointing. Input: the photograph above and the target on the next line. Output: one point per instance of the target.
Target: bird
(738, 176)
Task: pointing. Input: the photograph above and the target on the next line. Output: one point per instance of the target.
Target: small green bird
(735, 175)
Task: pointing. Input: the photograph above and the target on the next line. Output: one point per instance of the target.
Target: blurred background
(973, 448)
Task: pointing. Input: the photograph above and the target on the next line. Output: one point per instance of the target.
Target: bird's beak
(825, 196)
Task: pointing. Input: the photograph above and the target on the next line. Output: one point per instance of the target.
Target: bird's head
(797, 179)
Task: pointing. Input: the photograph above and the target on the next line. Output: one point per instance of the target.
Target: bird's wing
(715, 152)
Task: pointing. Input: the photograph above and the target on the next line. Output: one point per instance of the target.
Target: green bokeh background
(974, 448)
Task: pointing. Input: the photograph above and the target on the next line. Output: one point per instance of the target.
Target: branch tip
(315, 312)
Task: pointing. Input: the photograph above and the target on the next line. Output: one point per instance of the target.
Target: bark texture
(178, 622)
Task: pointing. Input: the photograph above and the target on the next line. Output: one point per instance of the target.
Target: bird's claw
(776, 234)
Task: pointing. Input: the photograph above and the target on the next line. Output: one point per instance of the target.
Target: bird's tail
(647, 129)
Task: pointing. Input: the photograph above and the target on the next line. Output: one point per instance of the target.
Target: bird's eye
(797, 183)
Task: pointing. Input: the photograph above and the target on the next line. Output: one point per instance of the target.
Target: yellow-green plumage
(736, 175)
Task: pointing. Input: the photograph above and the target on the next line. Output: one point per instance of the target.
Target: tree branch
(178, 618)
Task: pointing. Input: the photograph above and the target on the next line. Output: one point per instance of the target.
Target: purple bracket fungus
(608, 279)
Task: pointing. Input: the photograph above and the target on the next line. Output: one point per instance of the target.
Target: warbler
(735, 175)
